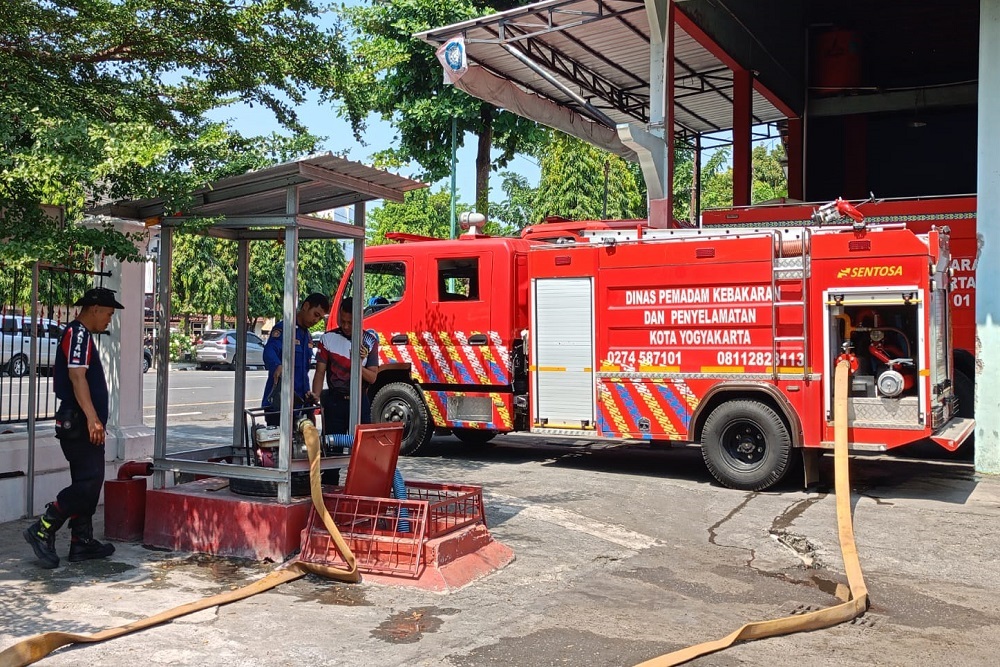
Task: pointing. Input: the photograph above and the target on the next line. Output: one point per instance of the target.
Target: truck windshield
(385, 284)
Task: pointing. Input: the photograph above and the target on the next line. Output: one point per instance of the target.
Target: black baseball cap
(99, 296)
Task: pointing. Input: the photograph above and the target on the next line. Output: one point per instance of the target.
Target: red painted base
(206, 517)
(454, 560)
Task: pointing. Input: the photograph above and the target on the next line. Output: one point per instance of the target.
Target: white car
(218, 347)
(15, 347)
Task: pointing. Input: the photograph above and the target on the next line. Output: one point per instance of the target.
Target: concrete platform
(454, 561)
(206, 517)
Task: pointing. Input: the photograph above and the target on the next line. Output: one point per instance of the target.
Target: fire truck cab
(723, 337)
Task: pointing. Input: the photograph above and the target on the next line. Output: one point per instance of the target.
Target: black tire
(965, 390)
(401, 402)
(475, 437)
(18, 366)
(145, 363)
(266, 489)
(746, 445)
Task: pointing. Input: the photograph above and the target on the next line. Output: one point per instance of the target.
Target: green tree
(516, 208)
(398, 77)
(717, 180)
(106, 99)
(572, 182)
(204, 283)
(769, 180)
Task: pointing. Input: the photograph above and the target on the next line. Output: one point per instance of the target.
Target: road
(200, 395)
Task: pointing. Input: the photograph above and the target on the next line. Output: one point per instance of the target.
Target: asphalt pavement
(621, 554)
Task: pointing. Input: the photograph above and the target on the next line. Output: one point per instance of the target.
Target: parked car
(15, 346)
(217, 347)
(315, 349)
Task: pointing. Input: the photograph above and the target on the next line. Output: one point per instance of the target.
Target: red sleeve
(76, 346)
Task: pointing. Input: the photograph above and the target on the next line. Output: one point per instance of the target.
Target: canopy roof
(600, 49)
(258, 200)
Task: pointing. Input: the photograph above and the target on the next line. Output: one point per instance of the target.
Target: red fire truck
(723, 337)
(919, 215)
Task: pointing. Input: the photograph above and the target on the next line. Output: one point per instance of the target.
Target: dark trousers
(86, 471)
(337, 419)
(337, 411)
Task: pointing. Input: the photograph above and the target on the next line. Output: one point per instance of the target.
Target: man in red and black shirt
(80, 386)
(333, 361)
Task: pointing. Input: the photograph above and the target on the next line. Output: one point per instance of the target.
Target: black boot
(82, 545)
(41, 535)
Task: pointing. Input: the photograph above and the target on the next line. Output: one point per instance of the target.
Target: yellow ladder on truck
(789, 262)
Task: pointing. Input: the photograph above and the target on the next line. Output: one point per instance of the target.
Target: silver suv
(15, 346)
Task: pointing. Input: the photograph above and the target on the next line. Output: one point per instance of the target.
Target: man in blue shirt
(313, 309)
(80, 386)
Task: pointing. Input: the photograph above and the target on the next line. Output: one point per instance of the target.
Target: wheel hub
(746, 443)
(397, 411)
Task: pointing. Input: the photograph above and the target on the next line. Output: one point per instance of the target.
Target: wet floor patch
(322, 591)
(557, 646)
(224, 573)
(99, 568)
(408, 627)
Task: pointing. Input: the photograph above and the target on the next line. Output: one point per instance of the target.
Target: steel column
(163, 352)
(796, 175)
(742, 146)
(288, 340)
(855, 157)
(240, 387)
(654, 144)
(358, 280)
(29, 502)
(988, 215)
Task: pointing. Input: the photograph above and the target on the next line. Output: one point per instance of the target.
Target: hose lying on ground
(35, 648)
(857, 603)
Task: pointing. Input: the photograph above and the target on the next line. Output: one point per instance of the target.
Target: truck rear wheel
(965, 390)
(475, 437)
(746, 445)
(401, 402)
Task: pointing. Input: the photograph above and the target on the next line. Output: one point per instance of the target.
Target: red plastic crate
(371, 526)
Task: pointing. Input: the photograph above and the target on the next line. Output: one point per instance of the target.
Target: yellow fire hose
(35, 648)
(856, 604)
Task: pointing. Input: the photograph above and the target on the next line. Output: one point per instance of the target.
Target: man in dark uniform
(333, 360)
(313, 309)
(80, 386)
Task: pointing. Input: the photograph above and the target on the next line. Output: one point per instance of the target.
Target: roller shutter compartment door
(564, 351)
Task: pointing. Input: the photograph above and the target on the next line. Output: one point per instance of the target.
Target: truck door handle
(478, 339)
(400, 339)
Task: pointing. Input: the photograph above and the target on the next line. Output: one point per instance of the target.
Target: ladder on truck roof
(790, 263)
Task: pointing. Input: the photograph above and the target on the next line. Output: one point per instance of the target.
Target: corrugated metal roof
(600, 49)
(323, 182)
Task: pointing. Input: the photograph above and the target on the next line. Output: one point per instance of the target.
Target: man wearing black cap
(80, 386)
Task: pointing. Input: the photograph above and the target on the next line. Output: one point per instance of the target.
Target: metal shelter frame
(270, 204)
(626, 71)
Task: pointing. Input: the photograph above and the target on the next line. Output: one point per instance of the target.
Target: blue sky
(323, 121)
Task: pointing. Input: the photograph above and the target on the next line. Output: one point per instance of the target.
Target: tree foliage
(398, 77)
(768, 177)
(572, 183)
(106, 99)
(204, 280)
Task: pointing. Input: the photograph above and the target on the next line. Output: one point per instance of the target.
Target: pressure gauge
(877, 335)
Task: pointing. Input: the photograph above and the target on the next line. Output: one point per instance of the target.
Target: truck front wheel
(401, 402)
(746, 445)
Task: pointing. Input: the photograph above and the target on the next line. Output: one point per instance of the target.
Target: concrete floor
(621, 555)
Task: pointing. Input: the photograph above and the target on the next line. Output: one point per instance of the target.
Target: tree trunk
(483, 161)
